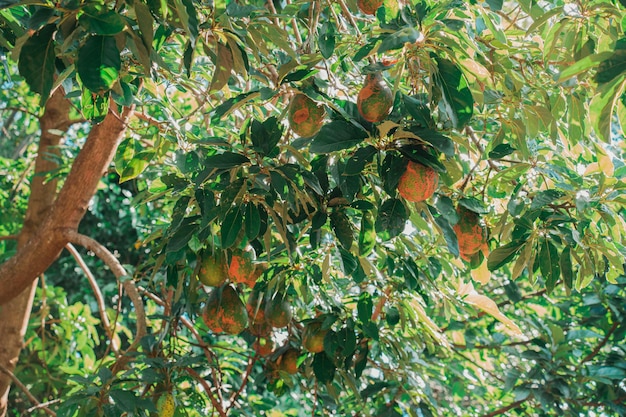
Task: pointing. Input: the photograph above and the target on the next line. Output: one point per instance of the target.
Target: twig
(600, 345)
(9, 237)
(244, 381)
(507, 408)
(207, 389)
(26, 391)
(118, 270)
(98, 294)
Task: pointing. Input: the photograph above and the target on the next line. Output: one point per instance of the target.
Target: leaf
(448, 234)
(440, 142)
(502, 150)
(567, 270)
(482, 273)
(189, 18)
(585, 64)
(503, 255)
(474, 205)
(231, 226)
(359, 159)
(418, 110)
(367, 234)
(223, 67)
(549, 263)
(323, 368)
(611, 67)
(337, 135)
(226, 160)
(602, 105)
(134, 167)
(543, 198)
(99, 63)
(252, 221)
(105, 23)
(398, 39)
(456, 92)
(36, 62)
(145, 21)
(365, 307)
(326, 39)
(266, 135)
(391, 219)
(487, 305)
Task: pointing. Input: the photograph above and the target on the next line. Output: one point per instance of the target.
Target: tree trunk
(42, 238)
(14, 315)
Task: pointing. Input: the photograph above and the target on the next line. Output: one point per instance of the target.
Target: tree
(281, 145)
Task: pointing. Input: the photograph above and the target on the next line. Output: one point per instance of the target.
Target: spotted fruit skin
(242, 268)
(470, 233)
(305, 115)
(369, 6)
(166, 405)
(278, 311)
(418, 182)
(212, 271)
(375, 99)
(288, 361)
(225, 312)
(313, 337)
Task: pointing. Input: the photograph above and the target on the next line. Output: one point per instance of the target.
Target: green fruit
(225, 312)
(313, 337)
(213, 270)
(305, 116)
(288, 361)
(166, 405)
(278, 311)
(375, 99)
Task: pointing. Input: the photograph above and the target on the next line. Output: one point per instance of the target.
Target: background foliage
(517, 105)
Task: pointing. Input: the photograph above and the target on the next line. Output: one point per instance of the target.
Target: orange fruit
(288, 361)
(212, 271)
(226, 312)
(305, 115)
(264, 346)
(256, 313)
(369, 6)
(470, 232)
(313, 337)
(418, 182)
(242, 268)
(375, 99)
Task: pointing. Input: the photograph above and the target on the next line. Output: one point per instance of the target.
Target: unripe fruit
(225, 313)
(470, 233)
(242, 268)
(166, 405)
(212, 271)
(288, 361)
(278, 311)
(313, 337)
(418, 182)
(375, 99)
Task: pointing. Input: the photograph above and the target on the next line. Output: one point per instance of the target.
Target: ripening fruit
(212, 271)
(375, 99)
(369, 6)
(166, 405)
(242, 268)
(305, 115)
(264, 346)
(225, 313)
(470, 233)
(313, 337)
(256, 313)
(418, 182)
(278, 311)
(288, 361)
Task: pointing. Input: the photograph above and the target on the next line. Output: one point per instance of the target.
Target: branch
(506, 408)
(118, 270)
(600, 345)
(26, 391)
(98, 294)
(207, 389)
(9, 237)
(45, 243)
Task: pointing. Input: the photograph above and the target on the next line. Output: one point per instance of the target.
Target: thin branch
(26, 391)
(506, 408)
(207, 389)
(98, 294)
(118, 270)
(244, 380)
(9, 237)
(600, 345)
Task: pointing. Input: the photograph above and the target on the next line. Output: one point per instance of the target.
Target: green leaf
(398, 39)
(549, 263)
(188, 16)
(337, 135)
(323, 368)
(134, 167)
(223, 67)
(456, 92)
(365, 307)
(502, 150)
(611, 67)
(544, 198)
(440, 142)
(585, 64)
(391, 219)
(504, 254)
(265, 136)
(448, 234)
(105, 23)
(418, 110)
(567, 270)
(145, 21)
(231, 226)
(99, 63)
(326, 39)
(342, 227)
(392, 316)
(252, 221)
(359, 159)
(36, 62)
(602, 106)
(226, 160)
(367, 234)
(473, 204)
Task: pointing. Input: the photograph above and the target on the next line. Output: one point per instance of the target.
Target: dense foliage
(517, 110)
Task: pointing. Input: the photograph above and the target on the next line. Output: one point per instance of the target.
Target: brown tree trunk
(14, 315)
(42, 238)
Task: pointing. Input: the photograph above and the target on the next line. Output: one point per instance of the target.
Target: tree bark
(14, 315)
(42, 238)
